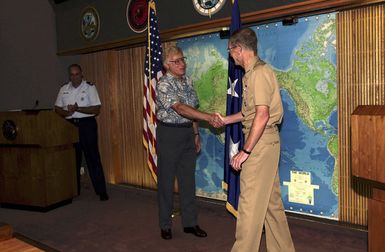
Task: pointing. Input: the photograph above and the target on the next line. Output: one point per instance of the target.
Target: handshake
(217, 120)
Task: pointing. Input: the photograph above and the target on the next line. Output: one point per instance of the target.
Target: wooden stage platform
(9, 243)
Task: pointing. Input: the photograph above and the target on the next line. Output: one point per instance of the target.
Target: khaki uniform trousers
(260, 200)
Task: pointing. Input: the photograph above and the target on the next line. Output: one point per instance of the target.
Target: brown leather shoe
(166, 234)
(197, 231)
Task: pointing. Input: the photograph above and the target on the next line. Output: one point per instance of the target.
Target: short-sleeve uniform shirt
(260, 87)
(171, 90)
(84, 95)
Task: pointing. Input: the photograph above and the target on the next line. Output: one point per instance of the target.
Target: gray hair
(246, 38)
(170, 51)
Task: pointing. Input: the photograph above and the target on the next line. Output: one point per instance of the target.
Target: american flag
(152, 72)
(234, 136)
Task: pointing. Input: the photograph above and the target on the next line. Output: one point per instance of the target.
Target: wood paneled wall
(361, 81)
(119, 79)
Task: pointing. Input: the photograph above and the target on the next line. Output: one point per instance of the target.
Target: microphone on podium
(36, 104)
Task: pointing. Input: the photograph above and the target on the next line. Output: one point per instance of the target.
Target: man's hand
(198, 145)
(216, 120)
(238, 159)
(62, 112)
(72, 108)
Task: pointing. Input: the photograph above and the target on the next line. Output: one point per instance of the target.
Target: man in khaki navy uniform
(78, 102)
(260, 202)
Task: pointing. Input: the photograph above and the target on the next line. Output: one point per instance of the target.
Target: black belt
(176, 125)
(271, 126)
(83, 119)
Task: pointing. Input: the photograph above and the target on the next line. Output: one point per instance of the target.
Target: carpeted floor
(128, 222)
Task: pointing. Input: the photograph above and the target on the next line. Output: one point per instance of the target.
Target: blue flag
(234, 136)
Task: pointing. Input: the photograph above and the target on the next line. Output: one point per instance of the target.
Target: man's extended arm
(95, 110)
(190, 112)
(234, 118)
(194, 114)
(64, 113)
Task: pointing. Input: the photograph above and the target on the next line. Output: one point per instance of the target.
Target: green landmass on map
(209, 73)
(311, 83)
(333, 149)
(211, 87)
(311, 80)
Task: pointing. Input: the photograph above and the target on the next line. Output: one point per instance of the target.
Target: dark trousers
(88, 144)
(176, 158)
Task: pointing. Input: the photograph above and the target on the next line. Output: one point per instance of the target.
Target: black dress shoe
(197, 231)
(103, 197)
(166, 234)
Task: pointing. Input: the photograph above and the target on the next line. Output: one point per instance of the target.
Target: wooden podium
(37, 159)
(368, 162)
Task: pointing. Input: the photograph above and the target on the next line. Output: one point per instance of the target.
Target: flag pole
(149, 51)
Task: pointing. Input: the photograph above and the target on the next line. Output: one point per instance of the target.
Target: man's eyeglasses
(179, 61)
(231, 48)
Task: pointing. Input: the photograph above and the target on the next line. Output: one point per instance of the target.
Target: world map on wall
(303, 57)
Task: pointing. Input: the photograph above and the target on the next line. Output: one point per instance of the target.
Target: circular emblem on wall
(89, 23)
(208, 7)
(9, 130)
(136, 14)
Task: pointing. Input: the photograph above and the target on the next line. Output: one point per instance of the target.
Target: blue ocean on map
(212, 155)
(302, 149)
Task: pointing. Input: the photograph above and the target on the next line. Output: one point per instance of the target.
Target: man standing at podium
(78, 102)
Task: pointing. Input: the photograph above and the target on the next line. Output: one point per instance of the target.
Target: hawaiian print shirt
(171, 90)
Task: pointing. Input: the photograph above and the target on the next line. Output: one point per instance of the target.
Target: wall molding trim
(297, 9)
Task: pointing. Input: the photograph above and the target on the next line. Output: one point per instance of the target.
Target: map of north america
(303, 57)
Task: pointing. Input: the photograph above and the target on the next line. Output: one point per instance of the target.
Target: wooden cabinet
(376, 221)
(37, 159)
(368, 143)
(368, 162)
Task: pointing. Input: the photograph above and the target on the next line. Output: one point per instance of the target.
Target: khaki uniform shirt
(260, 87)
